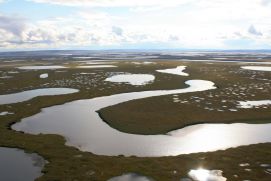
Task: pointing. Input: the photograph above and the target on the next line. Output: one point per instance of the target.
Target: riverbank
(68, 163)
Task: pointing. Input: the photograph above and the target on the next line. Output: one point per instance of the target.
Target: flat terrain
(162, 114)
(147, 116)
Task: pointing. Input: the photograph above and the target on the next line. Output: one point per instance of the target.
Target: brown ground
(69, 164)
(161, 114)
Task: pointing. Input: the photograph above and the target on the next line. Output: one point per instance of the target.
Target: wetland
(188, 124)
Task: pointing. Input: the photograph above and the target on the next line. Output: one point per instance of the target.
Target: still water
(30, 94)
(16, 165)
(82, 127)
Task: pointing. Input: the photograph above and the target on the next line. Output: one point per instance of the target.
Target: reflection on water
(206, 175)
(257, 68)
(41, 67)
(44, 76)
(16, 165)
(82, 127)
(30, 94)
(253, 104)
(96, 66)
(133, 79)
(5, 113)
(177, 71)
(130, 177)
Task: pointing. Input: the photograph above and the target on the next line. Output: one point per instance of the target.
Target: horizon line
(135, 49)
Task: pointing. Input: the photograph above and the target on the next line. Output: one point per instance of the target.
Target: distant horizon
(140, 50)
(30, 25)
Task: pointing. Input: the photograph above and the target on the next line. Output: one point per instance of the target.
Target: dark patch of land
(70, 164)
(159, 115)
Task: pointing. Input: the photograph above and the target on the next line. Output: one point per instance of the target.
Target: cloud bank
(136, 23)
(113, 3)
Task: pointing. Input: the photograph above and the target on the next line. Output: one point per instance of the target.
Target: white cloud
(266, 2)
(252, 30)
(196, 24)
(206, 175)
(117, 30)
(114, 3)
(87, 30)
(14, 25)
(150, 5)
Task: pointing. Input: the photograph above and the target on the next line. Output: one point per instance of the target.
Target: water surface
(131, 177)
(5, 113)
(206, 175)
(30, 94)
(96, 66)
(257, 68)
(133, 79)
(82, 127)
(41, 67)
(44, 76)
(176, 71)
(16, 165)
(253, 104)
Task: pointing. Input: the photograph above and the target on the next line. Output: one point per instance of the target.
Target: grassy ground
(162, 114)
(67, 163)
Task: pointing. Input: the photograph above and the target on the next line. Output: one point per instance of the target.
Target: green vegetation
(69, 164)
(159, 115)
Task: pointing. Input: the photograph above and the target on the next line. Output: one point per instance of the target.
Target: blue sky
(34, 11)
(137, 24)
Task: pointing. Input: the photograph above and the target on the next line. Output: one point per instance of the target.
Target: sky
(135, 24)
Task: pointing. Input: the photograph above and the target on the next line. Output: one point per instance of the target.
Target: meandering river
(80, 124)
